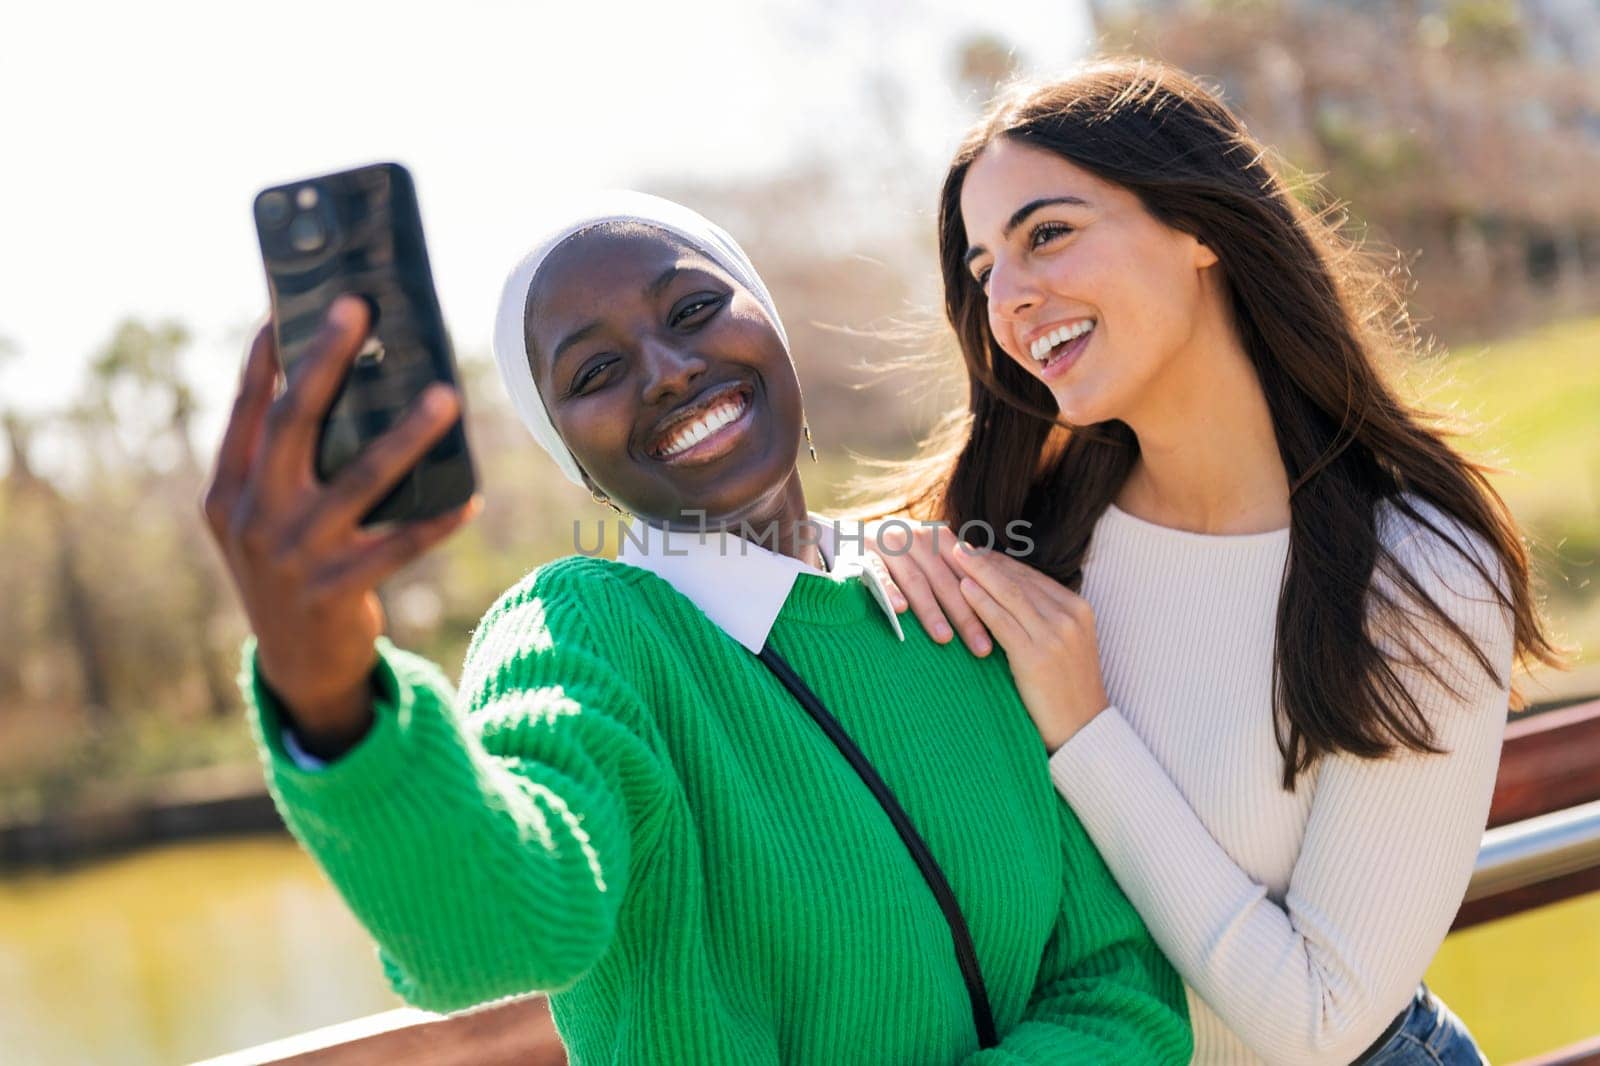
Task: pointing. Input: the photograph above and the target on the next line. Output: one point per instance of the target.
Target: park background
(1461, 136)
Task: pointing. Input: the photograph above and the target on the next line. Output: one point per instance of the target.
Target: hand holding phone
(367, 431)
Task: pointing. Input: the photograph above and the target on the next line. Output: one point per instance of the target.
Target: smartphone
(360, 231)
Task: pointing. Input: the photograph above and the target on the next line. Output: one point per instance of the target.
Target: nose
(669, 370)
(1012, 290)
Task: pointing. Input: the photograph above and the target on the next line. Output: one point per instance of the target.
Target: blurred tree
(27, 496)
(138, 384)
(1451, 136)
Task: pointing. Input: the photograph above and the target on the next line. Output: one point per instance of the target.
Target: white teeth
(1041, 348)
(693, 433)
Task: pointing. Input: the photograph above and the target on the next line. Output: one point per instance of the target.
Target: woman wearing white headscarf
(709, 795)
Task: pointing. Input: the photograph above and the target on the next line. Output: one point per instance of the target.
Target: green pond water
(182, 953)
(176, 954)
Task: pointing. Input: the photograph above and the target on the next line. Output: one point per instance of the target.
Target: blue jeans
(1429, 1034)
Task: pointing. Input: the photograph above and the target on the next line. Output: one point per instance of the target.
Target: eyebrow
(578, 336)
(663, 279)
(1020, 216)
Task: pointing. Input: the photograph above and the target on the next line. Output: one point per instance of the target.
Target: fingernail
(941, 631)
(436, 399)
(344, 311)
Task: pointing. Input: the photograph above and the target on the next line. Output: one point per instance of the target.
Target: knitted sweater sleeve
(485, 839)
(1388, 848)
(1104, 992)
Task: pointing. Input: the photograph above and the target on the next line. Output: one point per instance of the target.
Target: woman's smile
(706, 428)
(1058, 350)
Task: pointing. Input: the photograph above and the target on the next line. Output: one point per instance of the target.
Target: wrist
(1062, 736)
(339, 727)
(328, 724)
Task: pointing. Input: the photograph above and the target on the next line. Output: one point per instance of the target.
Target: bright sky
(135, 135)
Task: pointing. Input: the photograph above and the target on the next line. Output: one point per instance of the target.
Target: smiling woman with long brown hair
(1269, 622)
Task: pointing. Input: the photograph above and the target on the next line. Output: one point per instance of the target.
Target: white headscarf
(510, 336)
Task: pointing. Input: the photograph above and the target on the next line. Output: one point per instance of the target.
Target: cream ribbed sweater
(1300, 921)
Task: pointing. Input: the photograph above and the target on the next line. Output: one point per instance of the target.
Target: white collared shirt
(740, 585)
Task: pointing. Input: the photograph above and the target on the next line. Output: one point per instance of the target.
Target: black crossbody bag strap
(966, 954)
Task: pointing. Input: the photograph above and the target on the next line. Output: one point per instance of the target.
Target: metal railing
(1537, 851)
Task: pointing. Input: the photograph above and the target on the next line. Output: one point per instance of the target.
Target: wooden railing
(1551, 763)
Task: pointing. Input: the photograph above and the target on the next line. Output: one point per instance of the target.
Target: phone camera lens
(305, 233)
(273, 208)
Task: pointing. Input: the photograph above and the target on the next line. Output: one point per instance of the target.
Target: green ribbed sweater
(624, 807)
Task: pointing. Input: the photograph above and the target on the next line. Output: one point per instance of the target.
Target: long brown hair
(1315, 315)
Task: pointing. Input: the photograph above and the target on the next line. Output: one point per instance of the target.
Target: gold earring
(599, 497)
(812, 448)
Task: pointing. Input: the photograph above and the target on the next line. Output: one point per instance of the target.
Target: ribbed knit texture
(624, 807)
(1301, 921)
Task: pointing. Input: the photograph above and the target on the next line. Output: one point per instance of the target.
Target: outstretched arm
(485, 842)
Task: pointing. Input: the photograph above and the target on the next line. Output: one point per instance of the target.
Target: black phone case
(360, 231)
